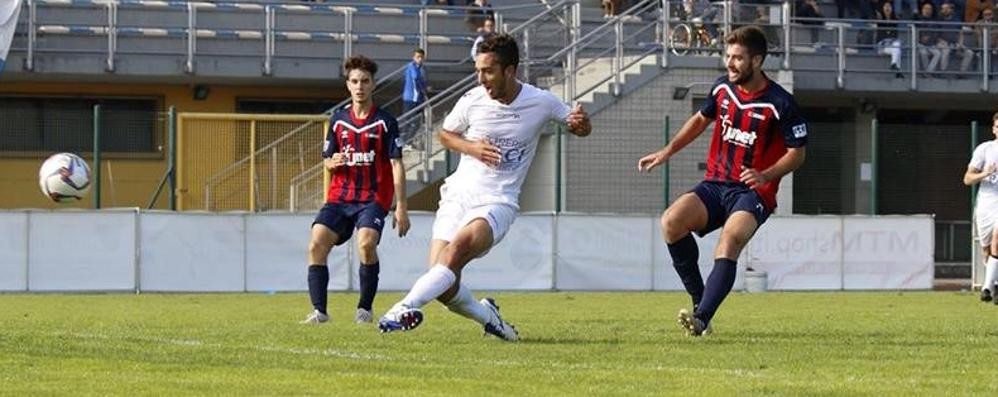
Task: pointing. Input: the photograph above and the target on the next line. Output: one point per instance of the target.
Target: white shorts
(985, 222)
(453, 215)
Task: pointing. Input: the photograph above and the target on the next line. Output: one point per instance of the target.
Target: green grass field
(826, 344)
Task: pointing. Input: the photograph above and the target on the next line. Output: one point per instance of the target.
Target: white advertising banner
(604, 252)
(81, 251)
(403, 259)
(14, 251)
(276, 254)
(197, 252)
(522, 260)
(799, 253)
(888, 252)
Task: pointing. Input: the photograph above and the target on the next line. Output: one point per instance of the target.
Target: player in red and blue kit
(363, 153)
(758, 137)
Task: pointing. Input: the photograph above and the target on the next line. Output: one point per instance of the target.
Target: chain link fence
(244, 162)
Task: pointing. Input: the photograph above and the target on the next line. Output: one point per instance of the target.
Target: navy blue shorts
(344, 218)
(724, 198)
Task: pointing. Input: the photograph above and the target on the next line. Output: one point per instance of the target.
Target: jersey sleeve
(330, 146)
(709, 106)
(393, 140)
(977, 160)
(457, 119)
(559, 110)
(793, 125)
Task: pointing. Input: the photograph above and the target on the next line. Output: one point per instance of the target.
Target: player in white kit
(495, 126)
(981, 170)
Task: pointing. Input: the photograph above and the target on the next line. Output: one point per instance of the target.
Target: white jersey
(987, 194)
(514, 129)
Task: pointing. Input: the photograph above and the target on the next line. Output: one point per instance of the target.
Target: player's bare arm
(790, 161)
(338, 160)
(578, 121)
(400, 222)
(974, 176)
(693, 127)
(481, 149)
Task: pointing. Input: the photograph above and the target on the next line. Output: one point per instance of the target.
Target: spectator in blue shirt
(414, 88)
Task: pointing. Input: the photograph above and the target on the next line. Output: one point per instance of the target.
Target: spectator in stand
(414, 89)
(855, 9)
(611, 8)
(903, 9)
(810, 9)
(488, 30)
(479, 11)
(928, 37)
(987, 18)
(887, 36)
(951, 39)
(974, 8)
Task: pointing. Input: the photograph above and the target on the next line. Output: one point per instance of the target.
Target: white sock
(464, 303)
(990, 268)
(429, 286)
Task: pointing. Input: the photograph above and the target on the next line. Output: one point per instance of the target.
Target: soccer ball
(64, 177)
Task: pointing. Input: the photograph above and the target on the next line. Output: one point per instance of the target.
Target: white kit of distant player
(64, 177)
(982, 170)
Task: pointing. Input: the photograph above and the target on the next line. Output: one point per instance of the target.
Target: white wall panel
(888, 252)
(403, 259)
(604, 252)
(276, 249)
(81, 251)
(522, 260)
(192, 252)
(14, 251)
(799, 253)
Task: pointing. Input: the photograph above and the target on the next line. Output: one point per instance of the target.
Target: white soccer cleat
(316, 318)
(363, 316)
(400, 318)
(500, 329)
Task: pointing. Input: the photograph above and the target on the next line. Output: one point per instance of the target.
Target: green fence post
(665, 167)
(873, 166)
(172, 159)
(557, 169)
(97, 169)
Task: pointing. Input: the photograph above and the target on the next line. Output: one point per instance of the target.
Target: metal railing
(422, 150)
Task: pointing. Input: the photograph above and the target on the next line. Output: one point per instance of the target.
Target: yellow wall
(135, 179)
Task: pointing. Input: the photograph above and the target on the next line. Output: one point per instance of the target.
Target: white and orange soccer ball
(64, 177)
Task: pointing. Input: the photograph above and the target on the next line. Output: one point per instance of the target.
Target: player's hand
(486, 152)
(400, 222)
(990, 169)
(338, 160)
(578, 121)
(754, 179)
(650, 161)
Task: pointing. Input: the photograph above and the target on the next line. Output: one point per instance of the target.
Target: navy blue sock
(685, 256)
(368, 285)
(318, 283)
(719, 284)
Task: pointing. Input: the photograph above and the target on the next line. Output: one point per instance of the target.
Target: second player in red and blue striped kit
(758, 137)
(363, 154)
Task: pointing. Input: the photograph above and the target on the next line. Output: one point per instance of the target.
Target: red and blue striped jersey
(369, 145)
(752, 130)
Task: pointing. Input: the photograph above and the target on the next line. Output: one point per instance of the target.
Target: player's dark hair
(751, 37)
(995, 118)
(419, 51)
(360, 62)
(505, 48)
